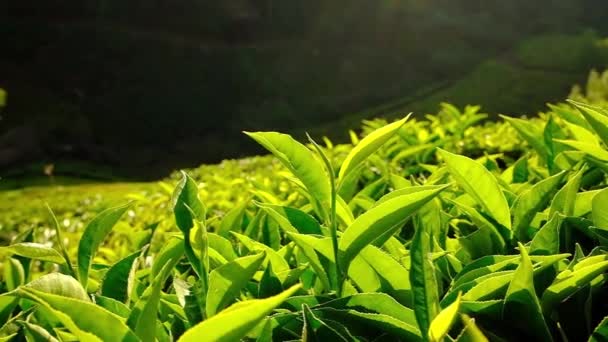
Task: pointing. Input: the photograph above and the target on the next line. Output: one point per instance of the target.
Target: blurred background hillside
(114, 89)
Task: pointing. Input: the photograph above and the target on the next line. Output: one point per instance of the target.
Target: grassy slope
(540, 70)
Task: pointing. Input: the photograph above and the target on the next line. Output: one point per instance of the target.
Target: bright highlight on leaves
(500, 235)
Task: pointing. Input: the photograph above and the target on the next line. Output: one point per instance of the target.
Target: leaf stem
(333, 224)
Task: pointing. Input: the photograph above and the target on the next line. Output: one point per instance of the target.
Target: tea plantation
(448, 228)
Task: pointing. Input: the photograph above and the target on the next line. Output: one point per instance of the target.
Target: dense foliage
(435, 229)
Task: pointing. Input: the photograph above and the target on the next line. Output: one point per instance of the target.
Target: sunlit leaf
(379, 223)
(86, 320)
(299, 160)
(367, 146)
(35, 251)
(92, 237)
(236, 321)
(440, 326)
(226, 281)
(479, 183)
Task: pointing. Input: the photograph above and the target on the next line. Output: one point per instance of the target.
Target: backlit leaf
(443, 322)
(368, 146)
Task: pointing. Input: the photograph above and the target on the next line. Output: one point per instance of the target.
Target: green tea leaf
(36, 333)
(226, 281)
(521, 303)
(422, 278)
(497, 237)
(480, 184)
(600, 333)
(478, 269)
(172, 249)
(235, 322)
(35, 251)
(188, 211)
(144, 312)
(61, 285)
(309, 246)
(373, 323)
(407, 191)
(14, 275)
(490, 282)
(299, 160)
(279, 265)
(222, 246)
(114, 306)
(442, 324)
(86, 320)
(368, 146)
(531, 133)
(546, 240)
(490, 288)
(379, 303)
(532, 201)
(582, 134)
(316, 329)
(292, 219)
(393, 274)
(592, 150)
(93, 235)
(570, 115)
(232, 220)
(8, 337)
(565, 198)
(379, 223)
(187, 205)
(471, 333)
(568, 282)
(115, 282)
(59, 241)
(596, 117)
(599, 210)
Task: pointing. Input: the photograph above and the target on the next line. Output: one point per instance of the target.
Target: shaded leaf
(532, 201)
(521, 302)
(144, 312)
(115, 282)
(422, 278)
(599, 210)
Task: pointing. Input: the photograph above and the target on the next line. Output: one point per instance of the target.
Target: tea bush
(445, 228)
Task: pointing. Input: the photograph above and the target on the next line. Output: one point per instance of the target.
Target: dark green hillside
(167, 88)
